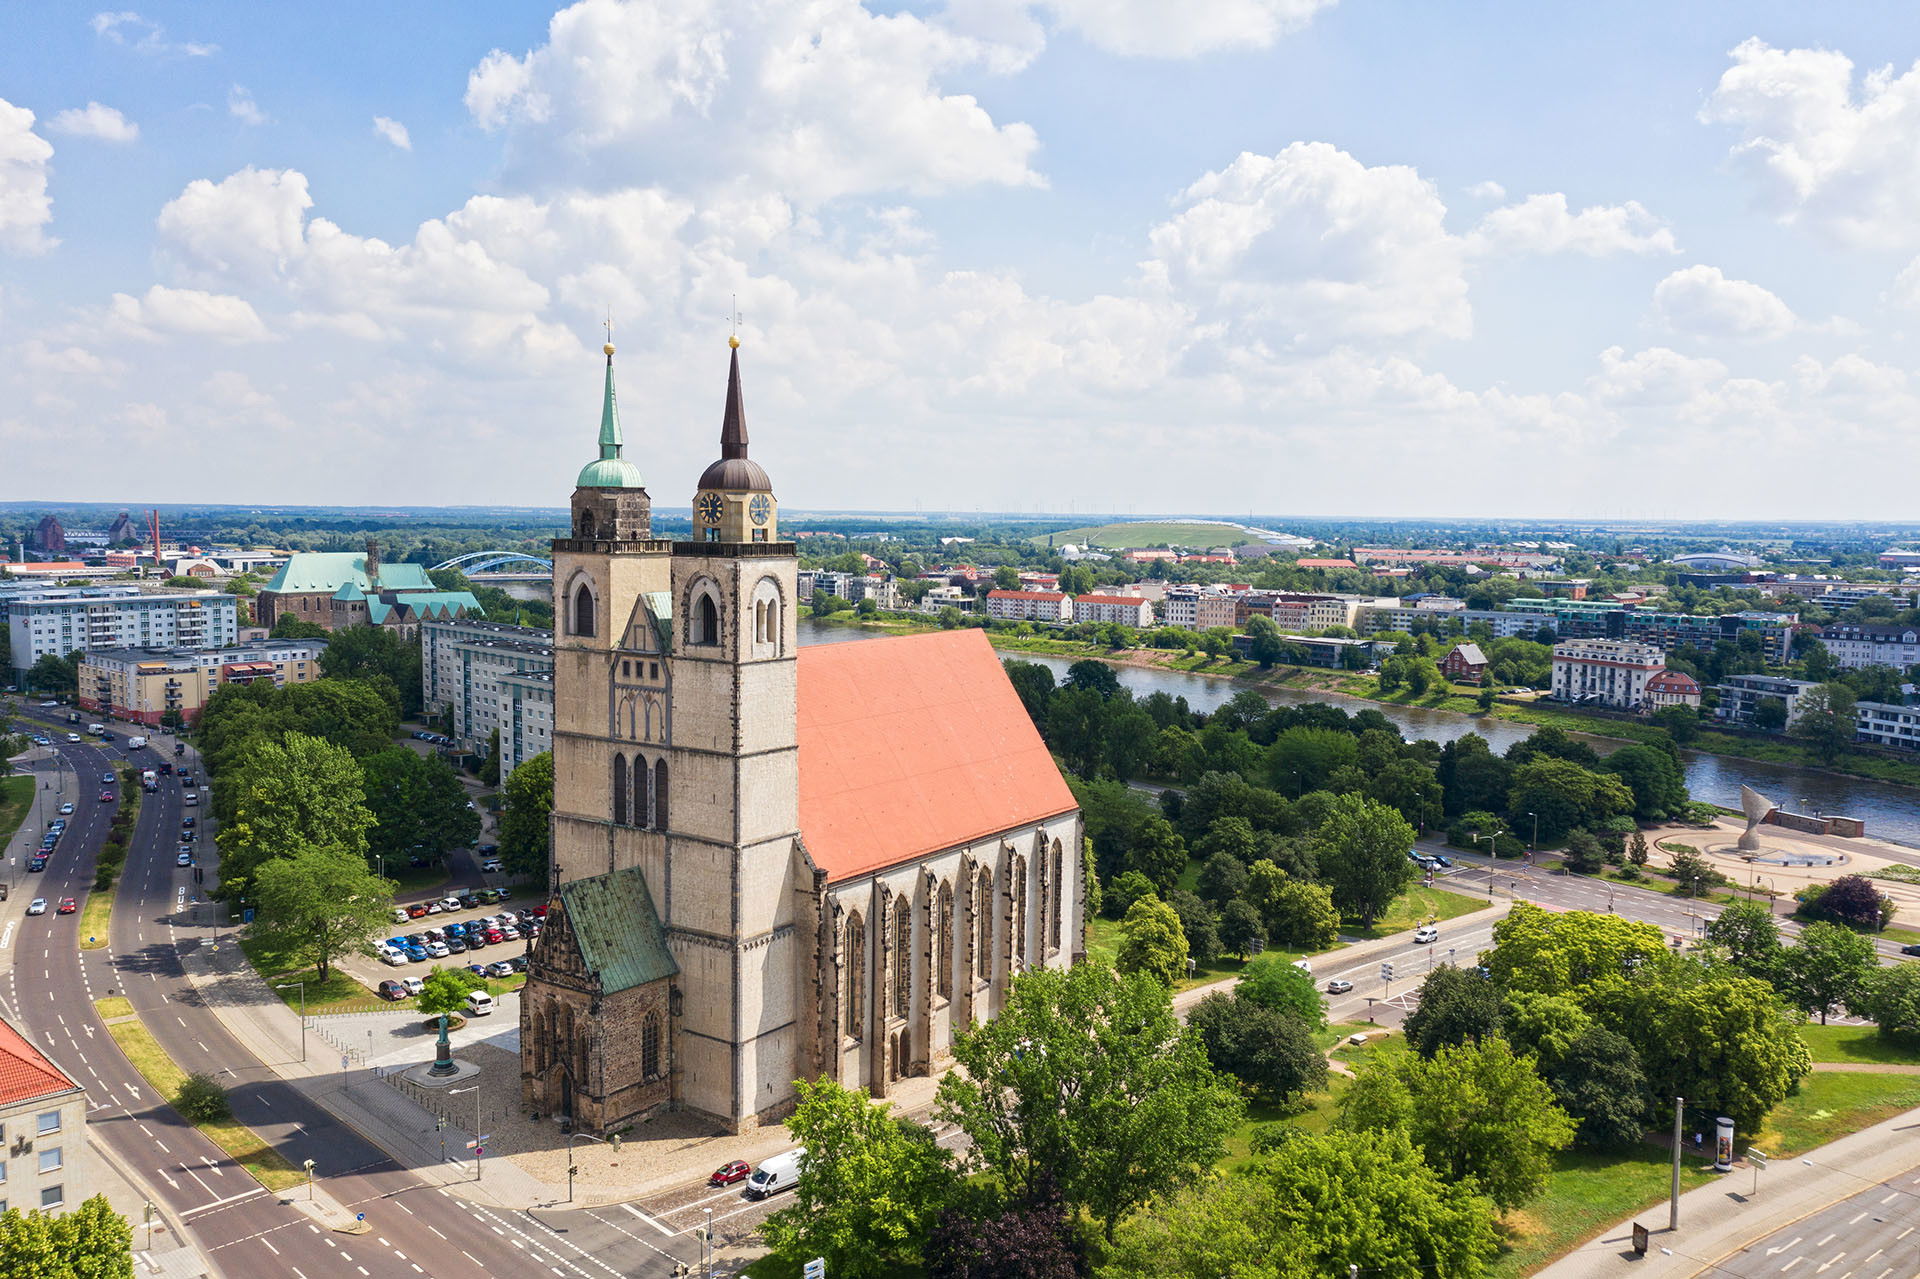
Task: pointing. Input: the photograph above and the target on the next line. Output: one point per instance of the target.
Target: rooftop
(26, 1074)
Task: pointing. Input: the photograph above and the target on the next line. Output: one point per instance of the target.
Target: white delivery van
(479, 1003)
(782, 1172)
(135, 743)
(96, 729)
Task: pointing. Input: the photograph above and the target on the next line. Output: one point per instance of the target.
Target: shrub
(1851, 900)
(202, 1100)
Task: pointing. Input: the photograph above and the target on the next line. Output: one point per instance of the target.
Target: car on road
(1444, 862)
(729, 1173)
(187, 823)
(73, 739)
(45, 705)
(184, 859)
(191, 797)
(392, 990)
(1339, 986)
(66, 809)
(1426, 935)
(68, 906)
(38, 906)
(500, 968)
(1910, 950)
(106, 778)
(106, 797)
(41, 739)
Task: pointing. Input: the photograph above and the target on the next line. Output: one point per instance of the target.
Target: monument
(1756, 806)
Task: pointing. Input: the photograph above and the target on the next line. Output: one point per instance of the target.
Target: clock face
(760, 509)
(709, 506)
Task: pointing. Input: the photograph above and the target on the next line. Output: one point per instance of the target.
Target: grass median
(247, 1148)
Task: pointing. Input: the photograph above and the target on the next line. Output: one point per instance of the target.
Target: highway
(418, 1227)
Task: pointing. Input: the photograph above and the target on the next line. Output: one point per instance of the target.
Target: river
(1890, 812)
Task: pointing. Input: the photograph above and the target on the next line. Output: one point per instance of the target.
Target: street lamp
(478, 1136)
(303, 1012)
(1534, 847)
(613, 1141)
(309, 1164)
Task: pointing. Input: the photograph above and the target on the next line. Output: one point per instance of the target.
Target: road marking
(159, 1143)
(649, 1220)
(1854, 1220)
(1791, 1264)
(1829, 1239)
(1892, 1196)
(220, 1203)
(270, 1248)
(1830, 1264)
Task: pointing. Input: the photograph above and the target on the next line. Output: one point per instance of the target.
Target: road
(1873, 1235)
(418, 1226)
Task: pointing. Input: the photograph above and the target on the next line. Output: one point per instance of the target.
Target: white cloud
(1702, 302)
(25, 207)
(95, 121)
(1817, 151)
(393, 131)
(1488, 190)
(132, 31)
(1657, 377)
(813, 101)
(1160, 29)
(1311, 246)
(242, 107)
(65, 361)
(163, 312)
(1543, 224)
(244, 228)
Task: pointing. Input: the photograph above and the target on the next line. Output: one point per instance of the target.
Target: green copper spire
(612, 471)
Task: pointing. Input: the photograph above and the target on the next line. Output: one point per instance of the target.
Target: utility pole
(1673, 1195)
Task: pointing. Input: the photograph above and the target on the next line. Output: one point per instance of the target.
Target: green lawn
(338, 993)
(16, 801)
(1832, 1104)
(1586, 1193)
(1418, 905)
(1859, 1044)
(1200, 535)
(1103, 942)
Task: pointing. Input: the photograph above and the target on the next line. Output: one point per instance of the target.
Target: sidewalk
(1722, 1217)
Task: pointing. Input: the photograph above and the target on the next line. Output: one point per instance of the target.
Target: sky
(1312, 257)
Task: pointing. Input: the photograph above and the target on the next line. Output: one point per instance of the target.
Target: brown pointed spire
(733, 427)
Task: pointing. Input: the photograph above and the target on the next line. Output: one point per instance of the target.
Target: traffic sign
(1386, 972)
(815, 1269)
(479, 1141)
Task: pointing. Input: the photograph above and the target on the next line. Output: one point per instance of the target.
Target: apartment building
(156, 687)
(462, 664)
(1200, 608)
(526, 717)
(1029, 606)
(852, 587)
(1128, 610)
(1741, 695)
(44, 1160)
(1611, 673)
(1854, 646)
(55, 621)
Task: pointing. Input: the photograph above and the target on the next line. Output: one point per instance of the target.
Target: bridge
(491, 561)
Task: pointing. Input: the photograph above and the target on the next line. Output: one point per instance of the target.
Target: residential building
(1128, 610)
(1741, 695)
(1855, 646)
(1611, 673)
(156, 687)
(56, 621)
(1329, 651)
(44, 1160)
(462, 664)
(1672, 688)
(1464, 664)
(1671, 630)
(946, 596)
(1029, 606)
(851, 587)
(332, 589)
(1325, 564)
(1200, 608)
(526, 717)
(1881, 724)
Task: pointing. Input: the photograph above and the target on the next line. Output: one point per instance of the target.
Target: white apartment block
(526, 717)
(58, 620)
(852, 587)
(1029, 606)
(1128, 610)
(1854, 647)
(462, 666)
(946, 596)
(1608, 672)
(1199, 608)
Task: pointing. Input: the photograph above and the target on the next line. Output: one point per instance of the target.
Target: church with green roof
(336, 589)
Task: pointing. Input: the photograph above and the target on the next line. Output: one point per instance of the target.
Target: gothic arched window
(619, 790)
(650, 1047)
(660, 795)
(943, 950)
(902, 958)
(1059, 890)
(983, 922)
(642, 794)
(856, 962)
(706, 623)
(582, 610)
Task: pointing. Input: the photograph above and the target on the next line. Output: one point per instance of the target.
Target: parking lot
(510, 948)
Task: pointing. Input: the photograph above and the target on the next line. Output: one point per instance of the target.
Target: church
(769, 863)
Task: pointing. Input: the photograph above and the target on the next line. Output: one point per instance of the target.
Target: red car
(392, 990)
(106, 797)
(68, 906)
(730, 1173)
(416, 911)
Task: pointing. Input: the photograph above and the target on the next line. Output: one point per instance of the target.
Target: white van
(96, 729)
(1303, 966)
(782, 1172)
(135, 743)
(479, 1003)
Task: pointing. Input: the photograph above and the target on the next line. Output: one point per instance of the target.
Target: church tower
(733, 708)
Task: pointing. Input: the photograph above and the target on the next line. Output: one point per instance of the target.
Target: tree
(1553, 743)
(871, 1191)
(1890, 998)
(91, 1242)
(1241, 931)
(1564, 952)
(1272, 982)
(1224, 876)
(51, 673)
(1586, 855)
(200, 1099)
(1750, 936)
(1826, 720)
(296, 795)
(288, 627)
(526, 835)
(1828, 969)
(1076, 727)
(1034, 683)
(1265, 644)
(1409, 787)
(1681, 722)
(1563, 795)
(1637, 849)
(1322, 1204)
(1098, 678)
(1770, 714)
(1545, 1026)
(1086, 1076)
(317, 904)
(1006, 578)
(445, 990)
(1302, 914)
(1598, 1081)
(1199, 924)
(1694, 873)
(1475, 1111)
(1152, 942)
(363, 652)
(1653, 777)
(418, 804)
(1361, 849)
(1457, 1006)
(1271, 1052)
(1030, 1240)
(489, 773)
(1851, 900)
(1304, 758)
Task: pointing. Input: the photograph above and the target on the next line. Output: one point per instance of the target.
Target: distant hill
(1196, 535)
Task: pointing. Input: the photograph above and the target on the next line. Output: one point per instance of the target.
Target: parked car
(479, 1003)
(68, 905)
(455, 946)
(66, 809)
(782, 1172)
(1910, 950)
(391, 957)
(184, 859)
(729, 1173)
(478, 970)
(476, 937)
(416, 911)
(519, 963)
(392, 990)
(399, 915)
(413, 984)
(38, 906)
(417, 955)
(38, 863)
(494, 936)
(437, 950)
(1339, 986)
(500, 968)
(490, 865)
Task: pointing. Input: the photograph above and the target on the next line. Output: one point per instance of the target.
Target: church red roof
(912, 745)
(25, 1072)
